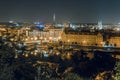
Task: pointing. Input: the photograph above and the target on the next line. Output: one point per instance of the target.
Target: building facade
(83, 38)
(46, 35)
(114, 41)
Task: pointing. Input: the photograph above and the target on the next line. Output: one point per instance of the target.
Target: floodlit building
(49, 34)
(83, 38)
(115, 40)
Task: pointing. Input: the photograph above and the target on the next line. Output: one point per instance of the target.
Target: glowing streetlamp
(50, 38)
(35, 38)
(84, 42)
(59, 38)
(26, 55)
(35, 53)
(68, 41)
(31, 38)
(26, 39)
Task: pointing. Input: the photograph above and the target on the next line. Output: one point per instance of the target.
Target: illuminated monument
(54, 17)
(100, 26)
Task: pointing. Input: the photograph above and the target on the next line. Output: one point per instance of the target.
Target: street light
(26, 39)
(84, 43)
(31, 38)
(35, 38)
(59, 37)
(26, 55)
(68, 41)
(50, 38)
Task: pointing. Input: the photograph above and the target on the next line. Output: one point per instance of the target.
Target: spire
(54, 17)
(100, 26)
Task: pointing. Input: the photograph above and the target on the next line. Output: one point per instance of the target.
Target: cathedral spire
(100, 26)
(54, 17)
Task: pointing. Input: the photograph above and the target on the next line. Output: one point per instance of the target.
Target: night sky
(83, 11)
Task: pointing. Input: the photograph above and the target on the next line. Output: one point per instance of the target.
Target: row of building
(96, 38)
(83, 38)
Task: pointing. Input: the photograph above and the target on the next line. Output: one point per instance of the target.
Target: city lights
(60, 40)
(73, 45)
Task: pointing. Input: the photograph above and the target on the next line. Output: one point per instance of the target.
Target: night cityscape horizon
(74, 11)
(59, 40)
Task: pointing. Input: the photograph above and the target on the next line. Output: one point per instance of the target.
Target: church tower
(100, 26)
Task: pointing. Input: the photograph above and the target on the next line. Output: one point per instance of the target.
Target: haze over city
(75, 11)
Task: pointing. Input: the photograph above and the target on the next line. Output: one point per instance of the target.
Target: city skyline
(83, 11)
